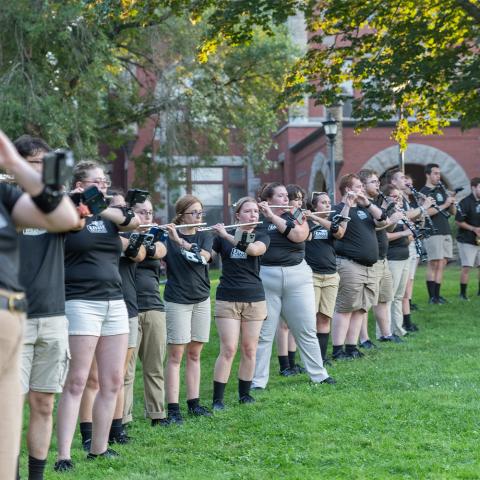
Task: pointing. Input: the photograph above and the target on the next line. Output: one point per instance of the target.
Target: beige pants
(10, 392)
(400, 271)
(151, 349)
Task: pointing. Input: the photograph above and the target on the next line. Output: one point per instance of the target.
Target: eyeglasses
(98, 181)
(145, 212)
(194, 213)
(317, 194)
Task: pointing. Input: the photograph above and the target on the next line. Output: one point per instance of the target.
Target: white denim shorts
(98, 318)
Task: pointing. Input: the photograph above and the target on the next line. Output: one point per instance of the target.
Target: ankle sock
(218, 390)
(323, 342)
(36, 468)
(407, 321)
(244, 387)
(86, 431)
(291, 359)
(283, 362)
(193, 403)
(173, 408)
(337, 349)
(463, 289)
(116, 429)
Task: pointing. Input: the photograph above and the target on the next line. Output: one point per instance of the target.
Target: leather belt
(13, 301)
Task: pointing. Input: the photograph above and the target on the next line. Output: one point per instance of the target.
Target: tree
(82, 72)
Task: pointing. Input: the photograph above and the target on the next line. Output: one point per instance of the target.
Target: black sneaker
(442, 300)
(122, 439)
(258, 389)
(368, 344)
(65, 465)
(341, 355)
(299, 369)
(288, 372)
(414, 307)
(397, 339)
(200, 411)
(173, 418)
(411, 328)
(463, 297)
(86, 444)
(433, 301)
(246, 399)
(355, 353)
(218, 405)
(327, 362)
(108, 453)
(329, 380)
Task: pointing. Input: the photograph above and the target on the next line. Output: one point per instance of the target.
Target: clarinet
(417, 195)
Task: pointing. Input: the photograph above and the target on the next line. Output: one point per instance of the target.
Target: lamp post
(330, 129)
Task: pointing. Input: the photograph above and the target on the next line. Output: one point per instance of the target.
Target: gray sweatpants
(289, 293)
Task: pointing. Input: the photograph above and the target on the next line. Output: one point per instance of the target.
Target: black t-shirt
(42, 272)
(240, 281)
(319, 251)
(282, 252)
(127, 269)
(9, 253)
(439, 220)
(147, 281)
(91, 262)
(187, 282)
(398, 248)
(360, 240)
(468, 211)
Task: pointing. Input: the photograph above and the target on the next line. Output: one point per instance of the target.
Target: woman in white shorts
(187, 305)
(97, 316)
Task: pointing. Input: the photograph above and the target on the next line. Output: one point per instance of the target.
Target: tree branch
(469, 8)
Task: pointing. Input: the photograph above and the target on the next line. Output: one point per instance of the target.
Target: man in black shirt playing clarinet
(439, 243)
(468, 237)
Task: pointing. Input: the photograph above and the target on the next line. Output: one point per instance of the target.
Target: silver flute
(164, 227)
(229, 227)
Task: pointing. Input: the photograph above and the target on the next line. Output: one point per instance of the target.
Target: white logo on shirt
(439, 198)
(272, 227)
(477, 208)
(237, 254)
(97, 226)
(320, 234)
(34, 231)
(3, 221)
(361, 214)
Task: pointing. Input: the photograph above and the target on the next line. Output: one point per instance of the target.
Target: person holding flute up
(240, 306)
(439, 243)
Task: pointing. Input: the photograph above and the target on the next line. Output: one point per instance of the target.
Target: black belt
(13, 301)
(356, 261)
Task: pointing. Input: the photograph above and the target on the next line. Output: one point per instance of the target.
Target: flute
(164, 227)
(288, 207)
(227, 227)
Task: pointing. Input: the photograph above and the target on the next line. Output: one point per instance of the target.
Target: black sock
(337, 349)
(218, 390)
(407, 322)
(350, 348)
(283, 361)
(116, 429)
(323, 342)
(193, 403)
(173, 408)
(36, 468)
(463, 289)
(431, 288)
(18, 467)
(86, 431)
(410, 302)
(244, 387)
(437, 290)
(291, 359)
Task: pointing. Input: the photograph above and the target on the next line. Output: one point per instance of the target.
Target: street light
(330, 129)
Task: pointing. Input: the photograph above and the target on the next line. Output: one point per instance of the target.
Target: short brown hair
(347, 181)
(474, 181)
(81, 169)
(365, 173)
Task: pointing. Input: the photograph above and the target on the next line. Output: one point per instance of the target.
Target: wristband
(129, 214)
(151, 250)
(47, 200)
(290, 224)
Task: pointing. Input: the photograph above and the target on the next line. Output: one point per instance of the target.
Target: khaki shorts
(385, 283)
(326, 288)
(132, 332)
(45, 354)
(358, 286)
(242, 311)
(187, 323)
(469, 254)
(438, 247)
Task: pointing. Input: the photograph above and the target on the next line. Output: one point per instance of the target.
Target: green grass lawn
(410, 410)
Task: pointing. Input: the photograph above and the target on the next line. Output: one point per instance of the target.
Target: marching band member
(240, 306)
(320, 256)
(97, 316)
(468, 237)
(288, 284)
(187, 304)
